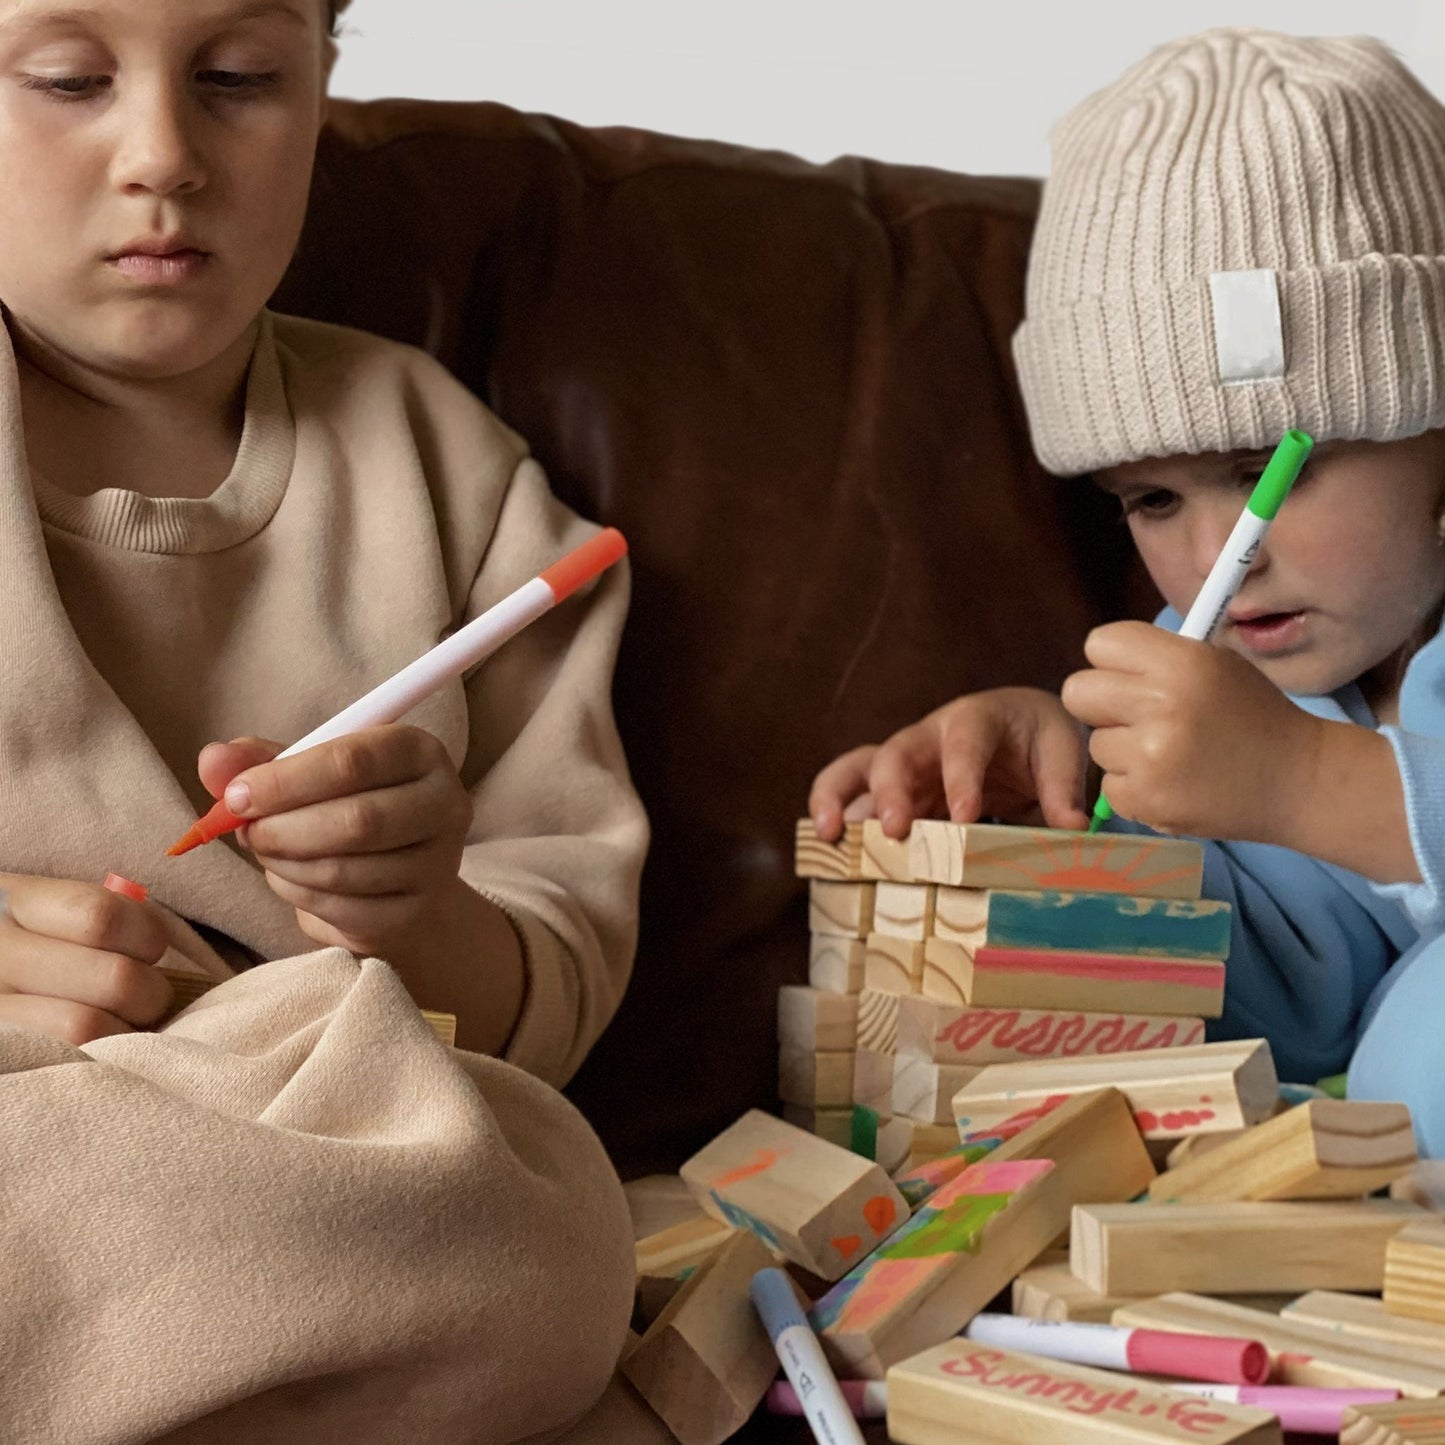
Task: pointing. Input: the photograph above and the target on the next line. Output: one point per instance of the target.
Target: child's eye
(1157, 503)
(64, 87)
(239, 79)
(83, 87)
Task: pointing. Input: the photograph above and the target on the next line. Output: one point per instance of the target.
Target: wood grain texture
(823, 1207)
(816, 1021)
(892, 965)
(835, 964)
(903, 910)
(1322, 1149)
(885, 857)
(1300, 1354)
(877, 1024)
(1209, 1088)
(924, 1090)
(1039, 860)
(844, 910)
(873, 1081)
(1230, 1248)
(964, 1393)
(813, 858)
(1366, 1317)
(1406, 1422)
(680, 1248)
(1415, 1271)
(1050, 1290)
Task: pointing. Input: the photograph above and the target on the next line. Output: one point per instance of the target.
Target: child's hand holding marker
(76, 959)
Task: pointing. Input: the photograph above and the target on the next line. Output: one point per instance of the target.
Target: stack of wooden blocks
(1050, 1040)
(965, 946)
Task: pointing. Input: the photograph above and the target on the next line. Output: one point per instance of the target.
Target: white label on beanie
(1248, 333)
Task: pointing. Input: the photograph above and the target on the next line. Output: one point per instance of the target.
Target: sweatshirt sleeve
(1421, 760)
(1308, 944)
(558, 834)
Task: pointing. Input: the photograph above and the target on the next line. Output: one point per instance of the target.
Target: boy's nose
(1211, 535)
(157, 152)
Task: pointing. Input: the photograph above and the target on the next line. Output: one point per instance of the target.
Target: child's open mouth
(1266, 632)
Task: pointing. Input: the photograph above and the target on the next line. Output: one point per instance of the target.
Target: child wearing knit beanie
(1242, 235)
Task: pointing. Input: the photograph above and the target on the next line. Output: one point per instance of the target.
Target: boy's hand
(1011, 753)
(1192, 738)
(76, 960)
(362, 835)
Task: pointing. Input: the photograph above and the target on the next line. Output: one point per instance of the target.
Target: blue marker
(827, 1412)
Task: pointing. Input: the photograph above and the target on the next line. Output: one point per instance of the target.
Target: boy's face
(1351, 570)
(175, 123)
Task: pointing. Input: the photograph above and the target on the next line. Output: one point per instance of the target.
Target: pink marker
(1302, 1408)
(867, 1399)
(460, 652)
(1149, 1352)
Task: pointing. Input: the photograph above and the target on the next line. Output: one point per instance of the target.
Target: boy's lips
(1269, 632)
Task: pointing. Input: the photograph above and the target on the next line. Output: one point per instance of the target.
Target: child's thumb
(220, 762)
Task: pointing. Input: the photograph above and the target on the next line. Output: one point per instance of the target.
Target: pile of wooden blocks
(965, 946)
(1056, 1080)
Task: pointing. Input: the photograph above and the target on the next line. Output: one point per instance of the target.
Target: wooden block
(903, 1144)
(1205, 1089)
(923, 1090)
(1086, 922)
(1042, 860)
(657, 1202)
(843, 909)
(706, 1362)
(1039, 978)
(877, 1026)
(815, 1080)
(1406, 1422)
(926, 1282)
(873, 1080)
(834, 1125)
(1300, 1354)
(885, 857)
(1091, 1139)
(840, 861)
(1415, 1270)
(835, 965)
(1052, 1291)
(816, 1021)
(952, 1033)
(1367, 1317)
(823, 1207)
(673, 1252)
(964, 1393)
(1231, 1248)
(654, 1294)
(903, 910)
(188, 987)
(892, 965)
(1423, 1185)
(1323, 1149)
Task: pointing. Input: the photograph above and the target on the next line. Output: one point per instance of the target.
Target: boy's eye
(82, 87)
(1150, 504)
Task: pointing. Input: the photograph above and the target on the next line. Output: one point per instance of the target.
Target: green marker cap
(1280, 475)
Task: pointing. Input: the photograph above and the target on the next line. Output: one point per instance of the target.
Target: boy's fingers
(218, 763)
(60, 1018)
(360, 762)
(860, 809)
(1129, 646)
(1105, 699)
(1058, 768)
(906, 778)
(969, 747)
(85, 914)
(35, 965)
(835, 787)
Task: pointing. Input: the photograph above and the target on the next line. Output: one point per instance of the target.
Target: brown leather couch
(790, 386)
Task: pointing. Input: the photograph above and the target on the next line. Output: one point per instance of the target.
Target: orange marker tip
(193, 839)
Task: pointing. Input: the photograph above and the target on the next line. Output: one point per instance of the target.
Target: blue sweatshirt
(1311, 941)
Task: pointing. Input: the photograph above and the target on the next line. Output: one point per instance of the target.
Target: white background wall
(964, 84)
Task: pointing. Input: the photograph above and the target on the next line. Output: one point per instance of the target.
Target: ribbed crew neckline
(239, 508)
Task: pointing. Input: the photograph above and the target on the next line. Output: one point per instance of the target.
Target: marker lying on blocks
(466, 647)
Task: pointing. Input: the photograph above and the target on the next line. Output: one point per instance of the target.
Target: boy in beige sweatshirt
(289, 1212)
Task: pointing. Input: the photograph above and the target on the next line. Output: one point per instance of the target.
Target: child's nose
(157, 151)
(1209, 537)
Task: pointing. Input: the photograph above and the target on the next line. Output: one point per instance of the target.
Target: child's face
(193, 121)
(1350, 571)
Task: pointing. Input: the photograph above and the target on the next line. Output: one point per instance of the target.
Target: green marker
(1234, 562)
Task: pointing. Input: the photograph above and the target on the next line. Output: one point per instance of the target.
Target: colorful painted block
(926, 1282)
(1041, 860)
(1067, 978)
(958, 1034)
(1085, 922)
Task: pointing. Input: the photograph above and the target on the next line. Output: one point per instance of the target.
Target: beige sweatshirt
(375, 506)
(291, 1214)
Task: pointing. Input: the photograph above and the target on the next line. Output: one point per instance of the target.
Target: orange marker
(117, 884)
(462, 650)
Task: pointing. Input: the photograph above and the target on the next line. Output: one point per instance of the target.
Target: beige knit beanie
(1245, 233)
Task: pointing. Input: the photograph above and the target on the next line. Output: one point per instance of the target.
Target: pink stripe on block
(1109, 967)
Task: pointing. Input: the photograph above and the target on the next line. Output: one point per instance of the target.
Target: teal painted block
(1110, 923)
